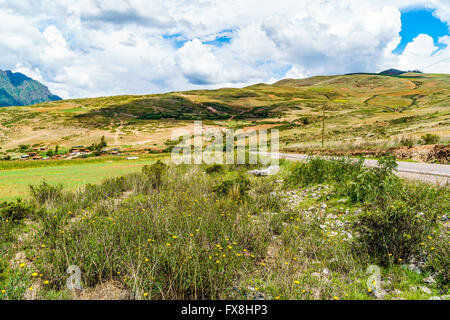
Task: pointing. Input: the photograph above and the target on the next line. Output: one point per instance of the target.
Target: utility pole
(323, 125)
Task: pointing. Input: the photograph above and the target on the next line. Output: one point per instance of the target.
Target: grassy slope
(359, 109)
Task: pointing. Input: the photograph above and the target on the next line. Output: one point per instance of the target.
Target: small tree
(56, 149)
(49, 153)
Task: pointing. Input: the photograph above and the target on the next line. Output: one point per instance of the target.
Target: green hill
(361, 110)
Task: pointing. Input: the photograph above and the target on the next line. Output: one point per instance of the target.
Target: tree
(56, 149)
(49, 153)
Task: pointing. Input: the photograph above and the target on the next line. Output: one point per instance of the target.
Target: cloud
(90, 48)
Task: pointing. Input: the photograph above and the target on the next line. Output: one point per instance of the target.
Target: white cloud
(92, 48)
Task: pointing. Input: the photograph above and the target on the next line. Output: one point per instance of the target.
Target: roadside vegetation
(217, 232)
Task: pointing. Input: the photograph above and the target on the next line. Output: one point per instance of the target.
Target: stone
(425, 289)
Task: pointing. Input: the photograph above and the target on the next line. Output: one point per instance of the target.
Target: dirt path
(426, 172)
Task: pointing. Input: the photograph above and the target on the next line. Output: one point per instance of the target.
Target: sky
(91, 48)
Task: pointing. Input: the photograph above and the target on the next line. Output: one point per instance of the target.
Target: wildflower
(303, 291)
(168, 244)
(191, 234)
(430, 237)
(390, 254)
(400, 259)
(422, 244)
(118, 272)
(43, 246)
(432, 248)
(30, 288)
(34, 274)
(145, 294)
(46, 282)
(335, 298)
(22, 265)
(369, 290)
(217, 261)
(296, 282)
(3, 291)
(174, 237)
(146, 260)
(277, 298)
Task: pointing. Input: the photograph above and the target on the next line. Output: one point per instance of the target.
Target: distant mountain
(392, 72)
(16, 89)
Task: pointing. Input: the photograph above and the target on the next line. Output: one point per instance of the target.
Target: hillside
(361, 110)
(16, 89)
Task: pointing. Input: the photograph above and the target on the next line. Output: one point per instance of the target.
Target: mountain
(392, 72)
(16, 89)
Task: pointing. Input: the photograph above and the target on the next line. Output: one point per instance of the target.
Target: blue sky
(89, 48)
(420, 21)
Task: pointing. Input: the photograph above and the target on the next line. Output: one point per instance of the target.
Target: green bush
(214, 168)
(319, 170)
(15, 211)
(430, 138)
(394, 233)
(439, 261)
(155, 173)
(232, 181)
(374, 183)
(45, 192)
(407, 142)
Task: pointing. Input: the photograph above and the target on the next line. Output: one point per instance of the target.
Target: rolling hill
(361, 110)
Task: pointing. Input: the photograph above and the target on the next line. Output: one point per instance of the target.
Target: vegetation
(215, 232)
(361, 111)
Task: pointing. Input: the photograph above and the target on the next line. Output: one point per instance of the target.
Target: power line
(448, 58)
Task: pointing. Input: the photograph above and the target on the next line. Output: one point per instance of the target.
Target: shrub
(430, 138)
(15, 211)
(236, 182)
(393, 233)
(407, 142)
(214, 168)
(374, 183)
(155, 173)
(439, 262)
(319, 170)
(45, 192)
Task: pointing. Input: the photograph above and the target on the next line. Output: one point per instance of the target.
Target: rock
(429, 280)
(379, 294)
(265, 172)
(425, 289)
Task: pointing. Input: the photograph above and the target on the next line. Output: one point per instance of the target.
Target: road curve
(426, 172)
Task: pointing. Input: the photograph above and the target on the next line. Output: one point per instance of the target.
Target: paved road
(427, 172)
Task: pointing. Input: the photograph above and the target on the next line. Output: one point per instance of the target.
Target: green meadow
(14, 183)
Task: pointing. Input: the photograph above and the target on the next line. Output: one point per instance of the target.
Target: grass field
(14, 182)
